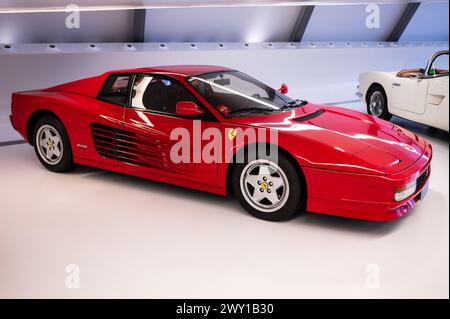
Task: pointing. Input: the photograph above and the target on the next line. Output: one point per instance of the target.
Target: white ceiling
(224, 21)
(430, 22)
(57, 5)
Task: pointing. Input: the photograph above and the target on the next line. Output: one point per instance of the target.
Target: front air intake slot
(309, 116)
(422, 179)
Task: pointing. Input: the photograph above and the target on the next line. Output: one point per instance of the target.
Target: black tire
(65, 160)
(378, 89)
(294, 202)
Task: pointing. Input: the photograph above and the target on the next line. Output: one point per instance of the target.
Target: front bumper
(368, 197)
(373, 211)
(359, 94)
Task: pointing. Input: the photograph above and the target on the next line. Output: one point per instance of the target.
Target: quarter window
(116, 89)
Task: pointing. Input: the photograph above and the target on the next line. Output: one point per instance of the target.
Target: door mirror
(186, 108)
(283, 89)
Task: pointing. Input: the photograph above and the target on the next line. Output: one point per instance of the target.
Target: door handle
(396, 84)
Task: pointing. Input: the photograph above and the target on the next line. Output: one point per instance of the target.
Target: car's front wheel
(268, 189)
(52, 145)
(377, 103)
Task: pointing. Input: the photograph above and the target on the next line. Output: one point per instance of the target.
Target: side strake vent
(133, 148)
(309, 116)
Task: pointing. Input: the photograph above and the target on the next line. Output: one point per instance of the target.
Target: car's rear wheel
(52, 145)
(377, 103)
(268, 189)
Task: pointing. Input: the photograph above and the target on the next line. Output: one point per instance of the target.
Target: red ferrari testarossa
(277, 155)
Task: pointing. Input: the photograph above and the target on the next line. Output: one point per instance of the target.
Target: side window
(159, 94)
(116, 89)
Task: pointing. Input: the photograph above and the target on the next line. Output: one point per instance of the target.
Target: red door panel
(94, 134)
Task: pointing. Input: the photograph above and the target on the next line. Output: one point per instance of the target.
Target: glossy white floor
(136, 238)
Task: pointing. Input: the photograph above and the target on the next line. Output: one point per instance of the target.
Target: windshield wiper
(293, 104)
(251, 109)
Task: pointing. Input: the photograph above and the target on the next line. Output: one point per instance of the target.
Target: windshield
(236, 94)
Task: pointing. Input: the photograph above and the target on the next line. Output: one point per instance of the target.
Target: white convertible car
(419, 95)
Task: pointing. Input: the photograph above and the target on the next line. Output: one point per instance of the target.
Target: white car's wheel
(377, 103)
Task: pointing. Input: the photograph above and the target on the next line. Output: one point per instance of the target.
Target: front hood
(341, 139)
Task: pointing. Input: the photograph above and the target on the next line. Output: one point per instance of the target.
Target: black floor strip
(9, 143)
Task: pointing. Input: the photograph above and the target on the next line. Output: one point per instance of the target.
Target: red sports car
(218, 130)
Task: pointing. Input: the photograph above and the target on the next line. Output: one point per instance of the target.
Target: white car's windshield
(439, 65)
(236, 94)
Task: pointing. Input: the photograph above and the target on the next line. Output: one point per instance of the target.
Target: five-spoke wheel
(270, 188)
(52, 144)
(265, 186)
(49, 144)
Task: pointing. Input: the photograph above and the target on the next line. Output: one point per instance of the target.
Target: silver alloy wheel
(49, 144)
(264, 185)
(376, 104)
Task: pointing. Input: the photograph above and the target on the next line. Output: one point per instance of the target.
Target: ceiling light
(129, 46)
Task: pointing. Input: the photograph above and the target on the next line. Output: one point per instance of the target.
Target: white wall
(252, 24)
(320, 75)
(348, 23)
(100, 26)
